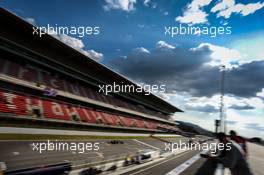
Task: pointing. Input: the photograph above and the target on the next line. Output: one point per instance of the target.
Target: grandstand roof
(18, 31)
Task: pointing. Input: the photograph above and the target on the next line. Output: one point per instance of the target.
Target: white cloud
(196, 4)
(221, 55)
(124, 56)
(93, 54)
(224, 4)
(31, 20)
(242, 121)
(154, 5)
(149, 3)
(261, 93)
(70, 41)
(164, 96)
(200, 102)
(79, 45)
(255, 102)
(240, 117)
(146, 2)
(194, 14)
(164, 45)
(251, 47)
(140, 25)
(141, 50)
(125, 5)
(231, 103)
(242, 51)
(226, 7)
(251, 8)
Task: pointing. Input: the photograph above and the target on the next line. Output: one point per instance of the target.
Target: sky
(148, 42)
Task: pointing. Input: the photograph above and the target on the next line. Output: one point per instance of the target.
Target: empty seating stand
(31, 74)
(22, 105)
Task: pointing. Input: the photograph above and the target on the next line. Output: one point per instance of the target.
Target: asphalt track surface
(20, 154)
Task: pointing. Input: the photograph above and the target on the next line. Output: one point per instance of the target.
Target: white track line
(143, 143)
(179, 169)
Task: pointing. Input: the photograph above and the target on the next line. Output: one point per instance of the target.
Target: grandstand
(46, 83)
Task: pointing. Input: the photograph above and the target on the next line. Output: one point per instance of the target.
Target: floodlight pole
(222, 105)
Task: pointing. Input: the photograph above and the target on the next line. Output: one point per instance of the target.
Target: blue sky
(132, 41)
